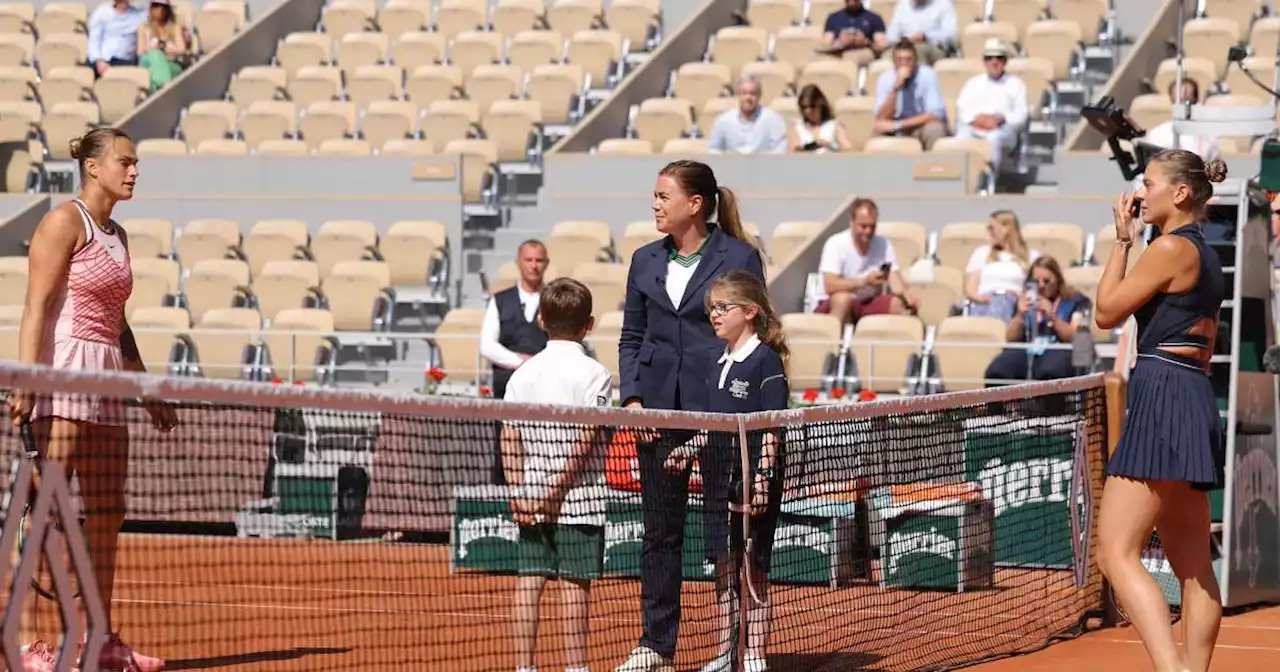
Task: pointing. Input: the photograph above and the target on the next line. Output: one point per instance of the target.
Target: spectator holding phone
(855, 32)
(1048, 312)
(817, 130)
(163, 44)
(996, 272)
(860, 274)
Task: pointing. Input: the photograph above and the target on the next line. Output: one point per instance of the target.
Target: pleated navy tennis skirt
(1173, 431)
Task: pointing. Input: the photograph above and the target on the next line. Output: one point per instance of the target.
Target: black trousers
(665, 498)
(113, 61)
(1012, 365)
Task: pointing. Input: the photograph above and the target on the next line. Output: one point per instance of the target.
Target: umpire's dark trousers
(664, 496)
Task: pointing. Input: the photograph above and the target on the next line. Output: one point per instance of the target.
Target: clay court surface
(250, 604)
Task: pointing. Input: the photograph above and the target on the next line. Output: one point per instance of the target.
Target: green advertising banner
(483, 536)
(943, 544)
(1025, 467)
(624, 537)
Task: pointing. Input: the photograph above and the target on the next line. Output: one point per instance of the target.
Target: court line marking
(1239, 647)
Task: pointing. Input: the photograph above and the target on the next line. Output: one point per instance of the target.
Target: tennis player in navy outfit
(750, 376)
(1171, 451)
(666, 351)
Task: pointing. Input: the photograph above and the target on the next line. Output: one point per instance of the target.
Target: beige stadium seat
(597, 52)
(155, 280)
(1020, 13)
(965, 347)
(953, 74)
(13, 281)
(1056, 41)
(937, 295)
(343, 17)
(776, 79)
(283, 285)
(226, 341)
(61, 51)
(343, 240)
(57, 18)
(494, 82)
(1037, 74)
(711, 110)
(1105, 243)
(1151, 109)
(387, 120)
(974, 35)
(607, 282)
(624, 147)
(558, 88)
(356, 50)
(17, 49)
(1209, 38)
(344, 147)
(1202, 70)
(430, 83)
(416, 49)
(156, 330)
(531, 48)
(637, 235)
(299, 345)
(274, 240)
(17, 17)
(65, 85)
(774, 15)
(977, 150)
(375, 82)
(256, 83)
(1234, 100)
(576, 242)
(1085, 280)
(663, 119)
(407, 147)
(222, 147)
(268, 120)
(511, 17)
(1087, 14)
(957, 241)
(398, 17)
(454, 17)
(152, 147)
(509, 275)
(449, 120)
(327, 120)
(479, 164)
(635, 20)
(208, 120)
(315, 83)
(797, 44)
(736, 46)
(149, 237)
(1264, 36)
(884, 368)
(885, 144)
(303, 49)
(215, 283)
(1063, 241)
(967, 11)
(857, 114)
(474, 48)
(908, 240)
(513, 125)
(18, 82)
(10, 321)
(813, 339)
(282, 147)
(217, 22)
(791, 237)
(686, 147)
(789, 108)
(458, 341)
(604, 339)
(65, 122)
(1262, 67)
(205, 239)
(357, 295)
(1240, 11)
(837, 79)
(700, 82)
(570, 16)
(410, 247)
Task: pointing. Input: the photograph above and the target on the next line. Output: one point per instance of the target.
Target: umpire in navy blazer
(666, 352)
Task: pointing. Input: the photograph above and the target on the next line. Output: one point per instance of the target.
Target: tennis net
(285, 527)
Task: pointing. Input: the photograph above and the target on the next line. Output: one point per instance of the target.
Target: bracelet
(766, 472)
(1126, 244)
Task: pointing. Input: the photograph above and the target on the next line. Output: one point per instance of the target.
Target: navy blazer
(665, 348)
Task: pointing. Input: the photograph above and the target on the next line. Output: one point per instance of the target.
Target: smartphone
(1136, 208)
(885, 268)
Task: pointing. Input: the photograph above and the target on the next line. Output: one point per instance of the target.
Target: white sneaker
(645, 659)
(752, 664)
(723, 663)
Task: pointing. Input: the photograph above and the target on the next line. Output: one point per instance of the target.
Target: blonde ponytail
(769, 329)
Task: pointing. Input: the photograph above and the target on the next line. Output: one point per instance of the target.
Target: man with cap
(993, 106)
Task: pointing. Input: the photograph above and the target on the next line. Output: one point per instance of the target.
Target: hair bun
(75, 148)
(1216, 170)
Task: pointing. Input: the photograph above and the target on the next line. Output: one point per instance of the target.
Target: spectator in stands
(113, 35)
(855, 32)
(928, 25)
(163, 45)
(1049, 315)
(860, 274)
(993, 106)
(996, 271)
(1162, 136)
(510, 334)
(666, 353)
(751, 128)
(817, 130)
(908, 99)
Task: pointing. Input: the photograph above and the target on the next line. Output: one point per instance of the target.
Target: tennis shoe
(117, 656)
(721, 663)
(645, 659)
(38, 657)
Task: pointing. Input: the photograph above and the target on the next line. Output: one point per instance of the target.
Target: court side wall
(680, 45)
(158, 115)
(19, 215)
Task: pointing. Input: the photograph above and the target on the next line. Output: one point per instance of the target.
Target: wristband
(766, 472)
(897, 127)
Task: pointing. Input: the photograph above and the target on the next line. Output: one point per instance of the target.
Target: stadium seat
(343, 240)
(153, 147)
(399, 17)
(315, 83)
(62, 18)
(857, 114)
(65, 122)
(414, 50)
(229, 350)
(268, 120)
(375, 82)
(216, 283)
(1085, 280)
(356, 50)
(13, 280)
(1063, 241)
(559, 89)
(625, 147)
(967, 12)
(663, 119)
(274, 240)
(479, 165)
(449, 120)
(957, 241)
(387, 120)
(509, 275)
(604, 340)
(298, 346)
(257, 83)
(287, 285)
(1087, 14)
(217, 22)
(10, 320)
(700, 82)
(208, 120)
(635, 20)
(686, 147)
(908, 239)
(570, 16)
(887, 144)
(491, 83)
(733, 47)
(359, 296)
(938, 293)
(1037, 74)
(776, 79)
(222, 147)
(157, 330)
(514, 127)
(597, 52)
(607, 282)
(883, 367)
(155, 283)
(1020, 13)
(637, 235)
(973, 36)
(17, 49)
(706, 117)
(530, 48)
(963, 367)
(302, 50)
(577, 242)
(774, 15)
(149, 237)
(1241, 12)
(836, 79)
(454, 17)
(68, 50)
(475, 48)
(789, 238)
(512, 17)
(203, 239)
(410, 247)
(813, 339)
(458, 343)
(1202, 70)
(407, 147)
(797, 45)
(343, 17)
(282, 147)
(327, 120)
(1262, 67)
(1151, 109)
(1056, 41)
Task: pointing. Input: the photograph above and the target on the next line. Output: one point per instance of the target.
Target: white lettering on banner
(473, 530)
(802, 536)
(902, 544)
(622, 533)
(1254, 478)
(1010, 486)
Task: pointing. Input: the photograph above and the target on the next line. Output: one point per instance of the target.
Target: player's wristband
(765, 472)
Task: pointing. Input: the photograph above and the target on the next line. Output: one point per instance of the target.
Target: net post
(744, 575)
(1116, 390)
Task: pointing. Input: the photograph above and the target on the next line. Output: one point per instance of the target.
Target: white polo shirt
(841, 257)
(563, 375)
(1005, 274)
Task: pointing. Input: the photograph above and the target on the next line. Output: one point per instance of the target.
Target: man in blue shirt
(908, 99)
(856, 32)
(113, 35)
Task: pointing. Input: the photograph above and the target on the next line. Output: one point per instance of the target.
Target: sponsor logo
(1017, 484)
(475, 529)
(1255, 488)
(902, 544)
(738, 388)
(802, 536)
(602, 400)
(629, 532)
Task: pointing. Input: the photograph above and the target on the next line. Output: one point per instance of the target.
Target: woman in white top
(816, 130)
(995, 274)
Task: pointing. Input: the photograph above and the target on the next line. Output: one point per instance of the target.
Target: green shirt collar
(685, 260)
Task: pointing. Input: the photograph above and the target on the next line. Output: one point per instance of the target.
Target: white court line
(1238, 647)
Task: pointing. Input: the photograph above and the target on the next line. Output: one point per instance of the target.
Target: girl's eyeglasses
(722, 308)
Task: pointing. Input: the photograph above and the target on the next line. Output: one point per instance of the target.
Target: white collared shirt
(492, 350)
(1006, 97)
(738, 355)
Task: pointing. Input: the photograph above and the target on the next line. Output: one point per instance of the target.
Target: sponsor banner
(938, 545)
(485, 538)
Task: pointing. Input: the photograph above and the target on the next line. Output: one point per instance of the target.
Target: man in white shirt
(113, 35)
(993, 106)
(930, 25)
(510, 334)
(556, 471)
(860, 274)
(751, 128)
